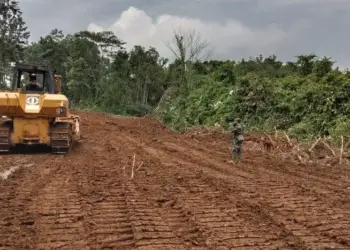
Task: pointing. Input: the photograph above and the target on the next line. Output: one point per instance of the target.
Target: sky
(233, 29)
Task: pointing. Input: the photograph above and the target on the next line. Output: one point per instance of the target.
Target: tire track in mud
(249, 187)
(59, 212)
(285, 198)
(151, 231)
(305, 184)
(327, 183)
(110, 225)
(286, 205)
(175, 214)
(106, 221)
(46, 205)
(183, 197)
(120, 217)
(221, 222)
(304, 176)
(57, 207)
(154, 228)
(321, 176)
(335, 194)
(19, 192)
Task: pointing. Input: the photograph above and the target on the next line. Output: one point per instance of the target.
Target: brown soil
(185, 194)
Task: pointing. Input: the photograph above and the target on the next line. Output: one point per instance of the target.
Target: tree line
(307, 97)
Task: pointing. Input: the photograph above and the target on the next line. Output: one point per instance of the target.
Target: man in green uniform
(237, 140)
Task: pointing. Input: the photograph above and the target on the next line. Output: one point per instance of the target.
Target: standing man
(237, 140)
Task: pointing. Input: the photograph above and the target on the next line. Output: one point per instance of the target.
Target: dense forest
(307, 97)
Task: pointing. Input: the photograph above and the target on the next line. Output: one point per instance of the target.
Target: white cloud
(94, 27)
(229, 39)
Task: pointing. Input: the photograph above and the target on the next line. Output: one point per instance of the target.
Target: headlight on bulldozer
(60, 111)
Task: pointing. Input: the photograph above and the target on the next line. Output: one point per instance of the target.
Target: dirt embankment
(183, 194)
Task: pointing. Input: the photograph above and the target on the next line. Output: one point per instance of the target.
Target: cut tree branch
(330, 149)
(133, 166)
(341, 150)
(314, 145)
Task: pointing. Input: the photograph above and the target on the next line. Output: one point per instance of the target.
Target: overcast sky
(234, 28)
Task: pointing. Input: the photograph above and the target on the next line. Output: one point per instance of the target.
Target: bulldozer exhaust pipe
(58, 85)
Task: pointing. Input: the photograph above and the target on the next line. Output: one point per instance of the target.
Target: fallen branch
(304, 152)
(133, 171)
(276, 133)
(139, 167)
(288, 139)
(347, 144)
(300, 158)
(327, 146)
(133, 166)
(270, 138)
(341, 150)
(314, 145)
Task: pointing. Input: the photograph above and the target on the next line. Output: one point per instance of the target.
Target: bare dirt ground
(184, 194)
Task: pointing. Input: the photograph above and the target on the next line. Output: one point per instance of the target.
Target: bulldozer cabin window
(5, 79)
(33, 82)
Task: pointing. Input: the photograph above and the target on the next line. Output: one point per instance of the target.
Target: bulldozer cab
(33, 79)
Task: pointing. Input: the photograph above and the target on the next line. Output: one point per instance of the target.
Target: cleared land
(184, 194)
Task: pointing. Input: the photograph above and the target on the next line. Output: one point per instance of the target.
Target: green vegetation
(307, 97)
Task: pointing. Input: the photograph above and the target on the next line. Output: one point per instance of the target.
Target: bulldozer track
(183, 195)
(150, 229)
(209, 221)
(323, 188)
(17, 219)
(61, 138)
(272, 190)
(59, 215)
(121, 217)
(5, 130)
(109, 220)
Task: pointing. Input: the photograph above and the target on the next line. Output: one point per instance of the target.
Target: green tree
(307, 96)
(147, 74)
(107, 41)
(323, 67)
(306, 63)
(13, 35)
(83, 67)
(49, 50)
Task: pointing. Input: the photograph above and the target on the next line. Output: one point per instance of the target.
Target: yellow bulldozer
(35, 112)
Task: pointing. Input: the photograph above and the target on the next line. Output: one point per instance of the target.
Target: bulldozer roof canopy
(32, 68)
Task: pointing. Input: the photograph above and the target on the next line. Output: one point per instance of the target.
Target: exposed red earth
(183, 194)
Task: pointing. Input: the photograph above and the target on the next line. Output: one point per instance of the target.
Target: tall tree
(147, 71)
(306, 63)
(106, 40)
(188, 47)
(13, 35)
(48, 50)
